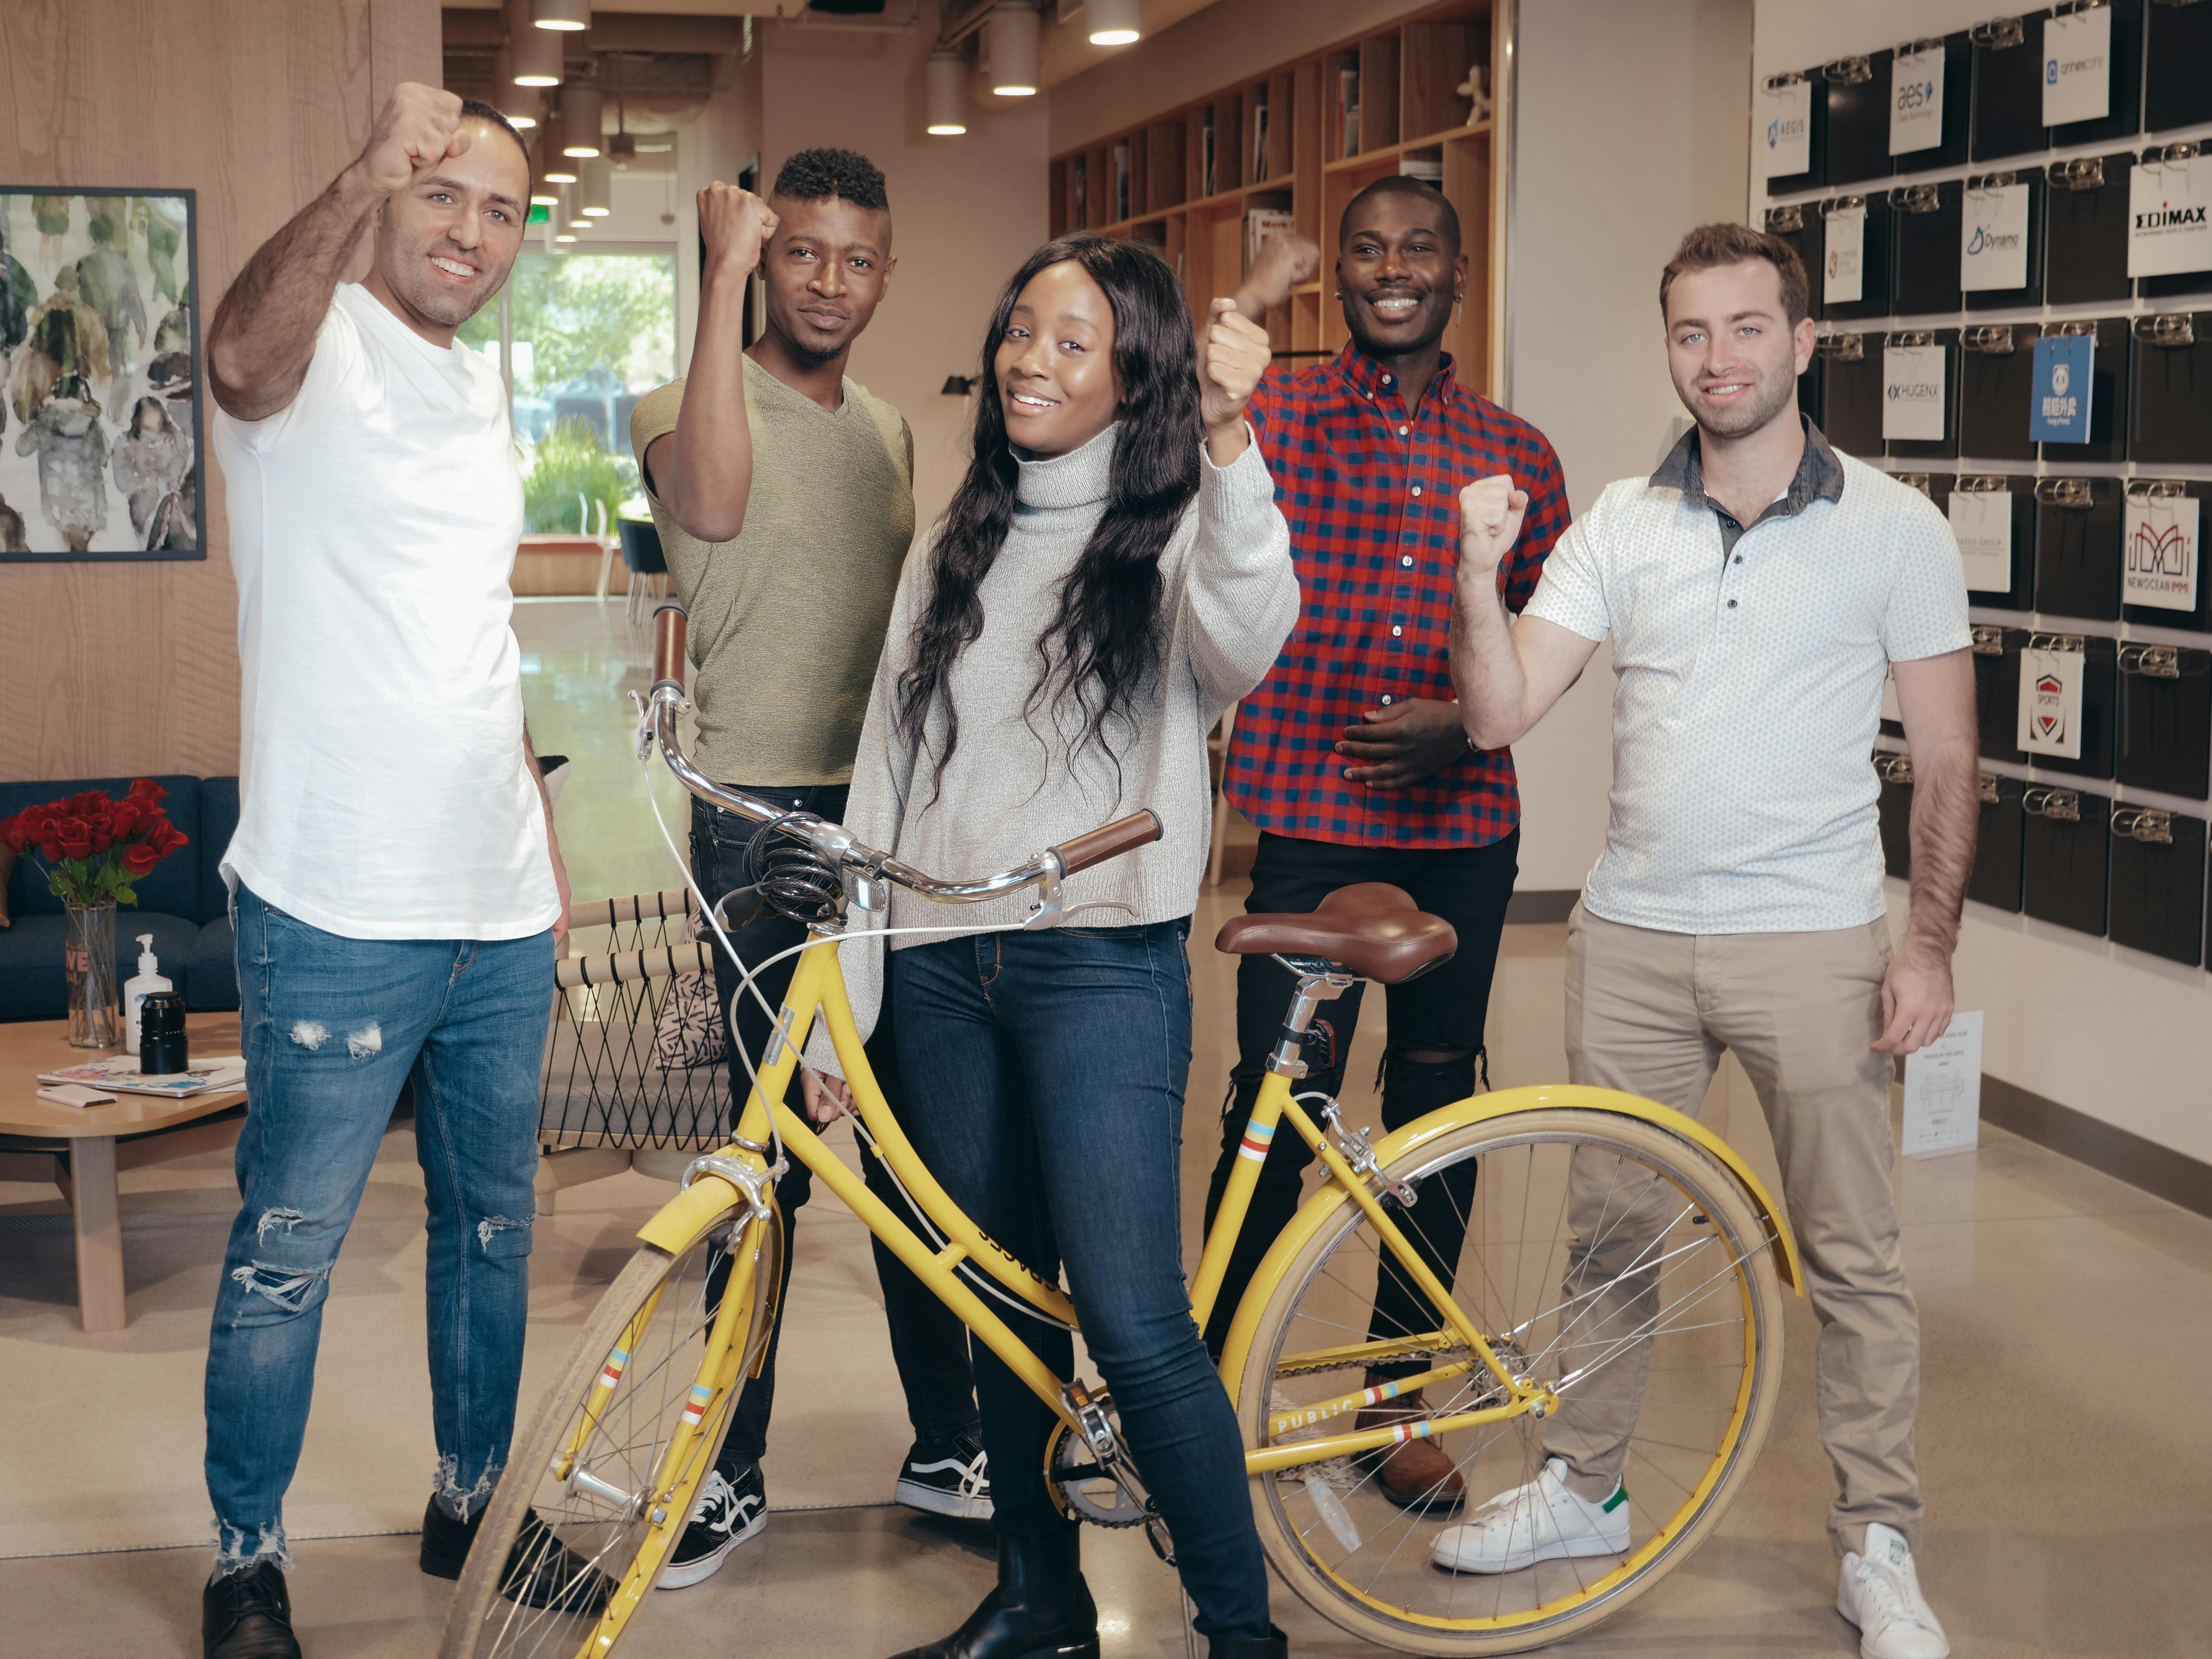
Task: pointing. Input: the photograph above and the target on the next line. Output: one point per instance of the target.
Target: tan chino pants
(1649, 1012)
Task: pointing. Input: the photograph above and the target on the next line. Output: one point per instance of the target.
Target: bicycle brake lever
(1048, 902)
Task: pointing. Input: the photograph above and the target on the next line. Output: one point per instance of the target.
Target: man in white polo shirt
(394, 878)
(1757, 587)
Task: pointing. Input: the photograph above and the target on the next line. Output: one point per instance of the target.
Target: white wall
(1630, 130)
(965, 212)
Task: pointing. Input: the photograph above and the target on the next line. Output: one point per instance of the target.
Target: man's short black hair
(1399, 183)
(475, 109)
(814, 175)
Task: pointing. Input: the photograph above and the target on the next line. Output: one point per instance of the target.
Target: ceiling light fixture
(945, 84)
(1012, 41)
(596, 188)
(1113, 22)
(553, 166)
(583, 116)
(564, 16)
(519, 105)
(534, 55)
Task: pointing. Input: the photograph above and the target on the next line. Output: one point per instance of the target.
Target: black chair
(640, 547)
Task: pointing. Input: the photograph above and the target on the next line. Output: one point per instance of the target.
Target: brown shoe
(1415, 1474)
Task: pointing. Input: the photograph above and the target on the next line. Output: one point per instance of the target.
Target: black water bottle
(161, 1034)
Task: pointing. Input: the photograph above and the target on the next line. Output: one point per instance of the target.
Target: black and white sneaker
(732, 1507)
(949, 1477)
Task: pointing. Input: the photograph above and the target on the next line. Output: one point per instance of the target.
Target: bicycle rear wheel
(1606, 1257)
(612, 1461)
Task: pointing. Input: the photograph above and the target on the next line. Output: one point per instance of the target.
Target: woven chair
(607, 1100)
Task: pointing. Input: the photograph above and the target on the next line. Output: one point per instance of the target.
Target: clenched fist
(1230, 361)
(735, 225)
(1285, 261)
(420, 127)
(1490, 513)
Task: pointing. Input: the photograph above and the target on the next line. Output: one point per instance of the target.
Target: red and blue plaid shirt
(1372, 497)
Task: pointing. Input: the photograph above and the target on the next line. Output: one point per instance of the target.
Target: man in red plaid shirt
(1351, 757)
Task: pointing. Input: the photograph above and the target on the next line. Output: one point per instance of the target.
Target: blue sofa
(182, 902)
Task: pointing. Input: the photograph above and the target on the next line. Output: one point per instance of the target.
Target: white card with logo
(1943, 1090)
(2077, 66)
(2170, 216)
(2162, 552)
(1843, 236)
(1915, 104)
(1912, 391)
(1993, 239)
(2051, 704)
(1981, 522)
(1788, 112)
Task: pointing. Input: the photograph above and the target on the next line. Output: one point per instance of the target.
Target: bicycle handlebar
(662, 716)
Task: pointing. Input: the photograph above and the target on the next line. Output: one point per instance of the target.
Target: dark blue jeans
(332, 1027)
(1047, 1072)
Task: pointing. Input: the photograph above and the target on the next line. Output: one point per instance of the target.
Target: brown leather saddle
(1371, 928)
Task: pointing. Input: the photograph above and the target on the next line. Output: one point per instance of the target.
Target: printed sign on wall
(1843, 275)
(2051, 704)
(2162, 547)
(1788, 114)
(1916, 107)
(1912, 391)
(1981, 522)
(2077, 66)
(2059, 408)
(2170, 216)
(1993, 239)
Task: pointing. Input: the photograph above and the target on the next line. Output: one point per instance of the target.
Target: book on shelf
(1259, 134)
(1347, 109)
(1261, 224)
(1206, 184)
(1121, 180)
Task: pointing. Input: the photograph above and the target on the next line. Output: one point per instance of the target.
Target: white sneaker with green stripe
(1542, 1520)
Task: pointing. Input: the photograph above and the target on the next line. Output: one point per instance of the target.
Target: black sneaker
(248, 1615)
(947, 1477)
(541, 1570)
(732, 1507)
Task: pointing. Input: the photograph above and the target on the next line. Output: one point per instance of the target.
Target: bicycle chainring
(1087, 1489)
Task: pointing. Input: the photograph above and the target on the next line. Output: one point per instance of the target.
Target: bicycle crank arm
(1268, 1459)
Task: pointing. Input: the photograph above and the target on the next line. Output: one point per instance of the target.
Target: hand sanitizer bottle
(135, 989)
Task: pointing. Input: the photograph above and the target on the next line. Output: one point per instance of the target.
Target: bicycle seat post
(1319, 981)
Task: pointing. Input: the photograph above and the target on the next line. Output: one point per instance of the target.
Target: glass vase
(88, 964)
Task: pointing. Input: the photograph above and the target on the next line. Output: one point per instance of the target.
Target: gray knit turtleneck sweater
(1014, 784)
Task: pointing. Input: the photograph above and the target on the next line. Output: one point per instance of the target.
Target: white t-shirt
(1749, 695)
(374, 523)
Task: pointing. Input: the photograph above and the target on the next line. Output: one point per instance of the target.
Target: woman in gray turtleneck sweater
(1111, 575)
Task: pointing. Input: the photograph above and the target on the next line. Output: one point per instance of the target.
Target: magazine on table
(121, 1075)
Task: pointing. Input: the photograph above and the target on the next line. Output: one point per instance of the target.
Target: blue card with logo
(2059, 412)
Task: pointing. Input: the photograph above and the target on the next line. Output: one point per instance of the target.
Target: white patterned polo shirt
(1750, 664)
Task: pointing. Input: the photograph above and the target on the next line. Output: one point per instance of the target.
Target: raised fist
(420, 127)
(1285, 262)
(1232, 358)
(735, 225)
(1490, 513)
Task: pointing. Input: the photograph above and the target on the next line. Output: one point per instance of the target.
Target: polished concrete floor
(2064, 1441)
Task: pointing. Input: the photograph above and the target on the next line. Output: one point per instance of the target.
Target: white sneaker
(1541, 1520)
(1880, 1593)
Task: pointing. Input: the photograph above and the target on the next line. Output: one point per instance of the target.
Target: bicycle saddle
(1371, 928)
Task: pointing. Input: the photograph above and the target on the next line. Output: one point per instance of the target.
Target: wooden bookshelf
(1189, 197)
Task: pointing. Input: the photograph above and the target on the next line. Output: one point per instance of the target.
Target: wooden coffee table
(81, 1149)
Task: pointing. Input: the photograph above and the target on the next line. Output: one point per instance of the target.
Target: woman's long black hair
(1105, 637)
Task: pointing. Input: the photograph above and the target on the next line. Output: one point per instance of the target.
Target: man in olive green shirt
(783, 492)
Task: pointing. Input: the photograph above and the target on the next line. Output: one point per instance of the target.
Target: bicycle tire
(1416, 1614)
(482, 1623)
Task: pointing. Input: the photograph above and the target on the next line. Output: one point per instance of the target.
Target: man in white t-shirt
(1757, 587)
(395, 881)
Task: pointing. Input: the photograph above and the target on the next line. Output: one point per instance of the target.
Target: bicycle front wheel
(1604, 1258)
(611, 1467)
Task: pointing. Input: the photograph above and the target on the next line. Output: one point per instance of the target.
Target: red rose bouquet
(95, 846)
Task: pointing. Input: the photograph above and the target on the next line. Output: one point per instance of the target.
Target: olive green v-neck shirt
(787, 618)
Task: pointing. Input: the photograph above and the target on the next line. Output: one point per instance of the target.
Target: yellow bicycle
(1614, 1251)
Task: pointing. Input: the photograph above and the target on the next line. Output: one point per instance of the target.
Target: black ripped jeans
(1439, 1014)
(929, 1345)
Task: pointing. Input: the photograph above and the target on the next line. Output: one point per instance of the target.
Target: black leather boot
(1272, 1645)
(541, 1572)
(248, 1615)
(1042, 1608)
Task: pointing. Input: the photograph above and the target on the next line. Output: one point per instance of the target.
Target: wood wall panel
(254, 104)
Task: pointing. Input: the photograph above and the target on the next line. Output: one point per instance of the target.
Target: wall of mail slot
(2009, 235)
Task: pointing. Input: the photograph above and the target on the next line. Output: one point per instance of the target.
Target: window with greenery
(592, 333)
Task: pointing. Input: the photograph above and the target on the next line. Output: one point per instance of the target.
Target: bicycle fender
(1481, 1108)
(690, 1213)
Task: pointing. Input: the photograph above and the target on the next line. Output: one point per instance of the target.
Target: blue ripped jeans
(332, 1027)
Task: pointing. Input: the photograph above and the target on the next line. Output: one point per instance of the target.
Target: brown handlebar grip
(1110, 841)
(669, 626)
